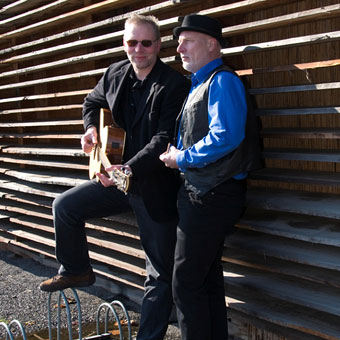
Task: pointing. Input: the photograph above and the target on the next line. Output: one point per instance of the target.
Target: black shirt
(129, 104)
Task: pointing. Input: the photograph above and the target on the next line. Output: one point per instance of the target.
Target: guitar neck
(104, 160)
(121, 179)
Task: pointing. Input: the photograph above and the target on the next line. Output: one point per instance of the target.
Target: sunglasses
(145, 43)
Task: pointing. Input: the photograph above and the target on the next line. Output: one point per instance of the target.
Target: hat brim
(178, 30)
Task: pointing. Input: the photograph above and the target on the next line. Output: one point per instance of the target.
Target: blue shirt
(227, 114)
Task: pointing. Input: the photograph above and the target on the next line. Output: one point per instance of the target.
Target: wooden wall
(282, 267)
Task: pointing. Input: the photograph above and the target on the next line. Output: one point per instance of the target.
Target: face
(194, 48)
(142, 58)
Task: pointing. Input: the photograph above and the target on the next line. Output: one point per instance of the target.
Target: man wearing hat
(216, 147)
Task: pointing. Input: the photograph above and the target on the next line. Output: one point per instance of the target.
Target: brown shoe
(60, 282)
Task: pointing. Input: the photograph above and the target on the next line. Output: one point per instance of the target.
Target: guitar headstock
(122, 179)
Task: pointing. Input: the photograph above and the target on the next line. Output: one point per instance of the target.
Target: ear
(212, 42)
(158, 46)
(124, 45)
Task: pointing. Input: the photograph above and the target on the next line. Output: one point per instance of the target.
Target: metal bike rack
(108, 306)
(9, 334)
(67, 306)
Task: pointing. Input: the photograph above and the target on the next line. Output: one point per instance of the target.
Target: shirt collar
(138, 82)
(204, 71)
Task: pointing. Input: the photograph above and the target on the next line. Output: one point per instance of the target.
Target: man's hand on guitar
(119, 176)
(108, 181)
(89, 139)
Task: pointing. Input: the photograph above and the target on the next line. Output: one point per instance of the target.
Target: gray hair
(145, 19)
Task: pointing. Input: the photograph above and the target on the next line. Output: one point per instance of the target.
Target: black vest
(194, 126)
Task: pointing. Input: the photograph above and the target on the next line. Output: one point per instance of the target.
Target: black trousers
(198, 284)
(90, 200)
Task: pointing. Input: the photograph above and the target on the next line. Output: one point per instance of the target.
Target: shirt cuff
(180, 160)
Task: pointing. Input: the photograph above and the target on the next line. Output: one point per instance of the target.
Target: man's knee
(62, 203)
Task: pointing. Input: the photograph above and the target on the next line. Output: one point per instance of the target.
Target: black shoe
(60, 282)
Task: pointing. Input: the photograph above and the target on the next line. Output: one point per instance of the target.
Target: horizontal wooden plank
(311, 229)
(66, 178)
(126, 217)
(240, 7)
(82, 93)
(289, 19)
(298, 111)
(118, 51)
(122, 224)
(47, 151)
(65, 17)
(115, 20)
(122, 246)
(19, 246)
(78, 75)
(20, 197)
(267, 263)
(321, 256)
(284, 43)
(307, 324)
(167, 41)
(315, 133)
(273, 22)
(75, 122)
(130, 284)
(303, 155)
(41, 135)
(292, 67)
(26, 209)
(17, 232)
(95, 255)
(31, 249)
(110, 37)
(111, 226)
(41, 109)
(31, 188)
(34, 14)
(62, 48)
(18, 6)
(3, 146)
(108, 53)
(313, 204)
(47, 80)
(297, 88)
(303, 293)
(119, 264)
(6, 215)
(16, 159)
(297, 176)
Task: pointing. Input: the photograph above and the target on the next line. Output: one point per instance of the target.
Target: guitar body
(111, 140)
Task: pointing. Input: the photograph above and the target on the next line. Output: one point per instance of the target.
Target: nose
(139, 46)
(179, 47)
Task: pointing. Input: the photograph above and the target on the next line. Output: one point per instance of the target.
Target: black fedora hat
(202, 24)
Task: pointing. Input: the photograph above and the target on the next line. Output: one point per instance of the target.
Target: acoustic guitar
(109, 150)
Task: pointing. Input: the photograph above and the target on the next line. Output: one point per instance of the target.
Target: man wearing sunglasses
(144, 96)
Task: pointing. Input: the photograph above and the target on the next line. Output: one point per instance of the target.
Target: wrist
(91, 128)
(180, 159)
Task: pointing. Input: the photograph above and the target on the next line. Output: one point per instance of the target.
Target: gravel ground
(22, 300)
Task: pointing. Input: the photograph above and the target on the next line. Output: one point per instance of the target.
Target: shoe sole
(80, 285)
